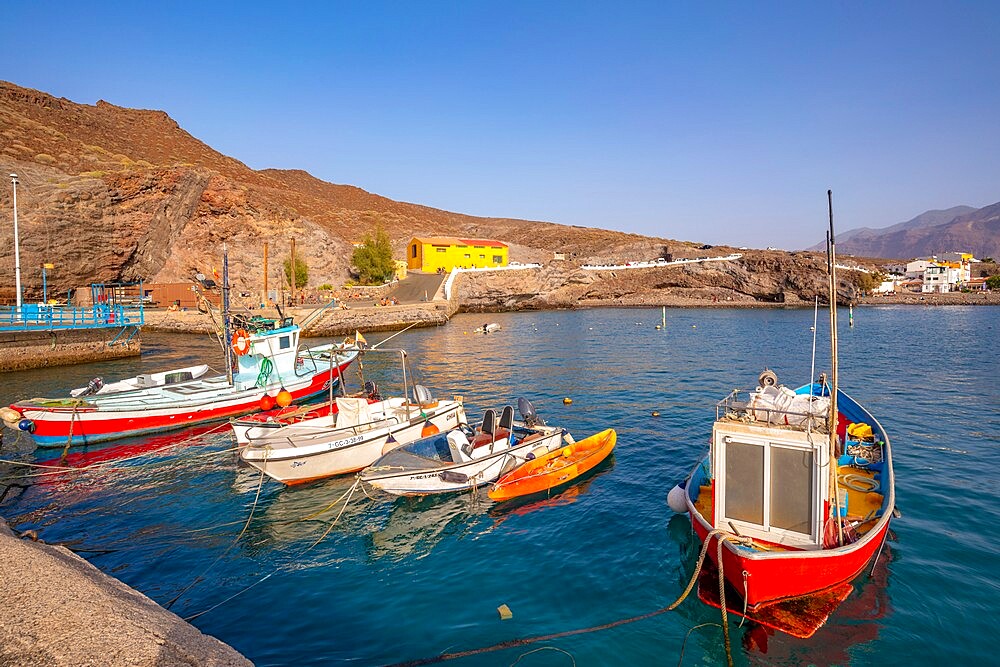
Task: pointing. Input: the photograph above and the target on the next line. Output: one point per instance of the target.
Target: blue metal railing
(38, 317)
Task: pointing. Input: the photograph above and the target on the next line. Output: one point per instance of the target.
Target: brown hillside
(129, 194)
(108, 193)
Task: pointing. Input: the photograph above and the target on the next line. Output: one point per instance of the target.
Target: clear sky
(706, 121)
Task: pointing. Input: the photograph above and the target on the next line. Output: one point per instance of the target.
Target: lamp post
(17, 253)
(45, 292)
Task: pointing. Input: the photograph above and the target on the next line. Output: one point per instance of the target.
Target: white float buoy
(676, 498)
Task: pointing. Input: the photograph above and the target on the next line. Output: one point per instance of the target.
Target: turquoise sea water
(403, 579)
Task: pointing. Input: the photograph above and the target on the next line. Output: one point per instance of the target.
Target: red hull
(94, 425)
(776, 576)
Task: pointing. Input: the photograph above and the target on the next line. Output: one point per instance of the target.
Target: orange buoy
(284, 398)
(429, 429)
(266, 402)
(567, 401)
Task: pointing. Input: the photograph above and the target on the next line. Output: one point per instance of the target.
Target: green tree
(865, 282)
(301, 272)
(993, 282)
(373, 258)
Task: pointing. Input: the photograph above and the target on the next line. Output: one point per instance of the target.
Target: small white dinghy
(463, 458)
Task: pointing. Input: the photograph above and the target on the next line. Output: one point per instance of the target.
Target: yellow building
(445, 253)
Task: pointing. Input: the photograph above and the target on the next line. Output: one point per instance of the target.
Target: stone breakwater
(58, 609)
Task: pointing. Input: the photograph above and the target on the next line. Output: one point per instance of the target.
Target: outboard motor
(528, 414)
(94, 386)
(422, 395)
(371, 391)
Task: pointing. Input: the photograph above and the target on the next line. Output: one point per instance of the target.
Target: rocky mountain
(956, 229)
(109, 194)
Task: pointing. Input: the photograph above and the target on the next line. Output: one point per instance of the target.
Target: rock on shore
(58, 609)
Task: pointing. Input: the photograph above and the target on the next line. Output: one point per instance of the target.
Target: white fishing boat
(347, 435)
(463, 458)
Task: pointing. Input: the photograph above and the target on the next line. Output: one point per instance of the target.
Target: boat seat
(506, 418)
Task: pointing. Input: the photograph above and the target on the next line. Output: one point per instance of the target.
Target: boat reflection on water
(135, 455)
(299, 516)
(855, 622)
(414, 525)
(822, 629)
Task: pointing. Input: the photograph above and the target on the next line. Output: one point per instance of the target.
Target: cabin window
(770, 488)
(284, 342)
(497, 259)
(791, 489)
(441, 249)
(745, 482)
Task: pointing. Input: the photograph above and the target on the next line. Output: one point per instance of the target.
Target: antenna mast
(832, 270)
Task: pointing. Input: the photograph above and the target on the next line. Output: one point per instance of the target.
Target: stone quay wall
(21, 350)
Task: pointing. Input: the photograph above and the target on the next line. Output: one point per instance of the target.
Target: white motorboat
(461, 458)
(346, 435)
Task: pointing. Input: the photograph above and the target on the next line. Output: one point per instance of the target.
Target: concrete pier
(21, 350)
(59, 610)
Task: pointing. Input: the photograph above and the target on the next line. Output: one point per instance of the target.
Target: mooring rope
(62, 469)
(721, 535)
(346, 496)
(253, 508)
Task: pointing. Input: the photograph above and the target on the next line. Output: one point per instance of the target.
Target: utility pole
(263, 300)
(291, 270)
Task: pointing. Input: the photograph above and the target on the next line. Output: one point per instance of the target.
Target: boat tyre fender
(241, 342)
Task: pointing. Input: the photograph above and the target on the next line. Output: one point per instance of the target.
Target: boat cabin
(276, 348)
(770, 465)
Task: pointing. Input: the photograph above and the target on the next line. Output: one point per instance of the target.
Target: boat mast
(832, 271)
(225, 314)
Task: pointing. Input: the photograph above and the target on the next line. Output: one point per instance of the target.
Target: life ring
(241, 342)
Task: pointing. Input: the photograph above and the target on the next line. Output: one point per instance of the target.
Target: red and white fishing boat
(268, 362)
(798, 487)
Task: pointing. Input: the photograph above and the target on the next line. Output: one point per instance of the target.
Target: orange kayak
(556, 467)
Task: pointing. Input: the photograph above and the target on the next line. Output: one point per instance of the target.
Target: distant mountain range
(956, 229)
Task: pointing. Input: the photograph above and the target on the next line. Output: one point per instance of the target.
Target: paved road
(417, 287)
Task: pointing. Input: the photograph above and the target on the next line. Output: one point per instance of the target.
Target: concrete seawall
(331, 323)
(20, 350)
(58, 609)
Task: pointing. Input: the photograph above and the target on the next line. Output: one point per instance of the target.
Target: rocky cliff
(111, 194)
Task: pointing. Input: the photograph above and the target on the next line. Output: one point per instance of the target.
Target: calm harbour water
(402, 579)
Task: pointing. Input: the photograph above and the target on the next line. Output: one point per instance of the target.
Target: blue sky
(715, 122)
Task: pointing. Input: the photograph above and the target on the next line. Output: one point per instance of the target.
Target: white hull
(449, 477)
(295, 454)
